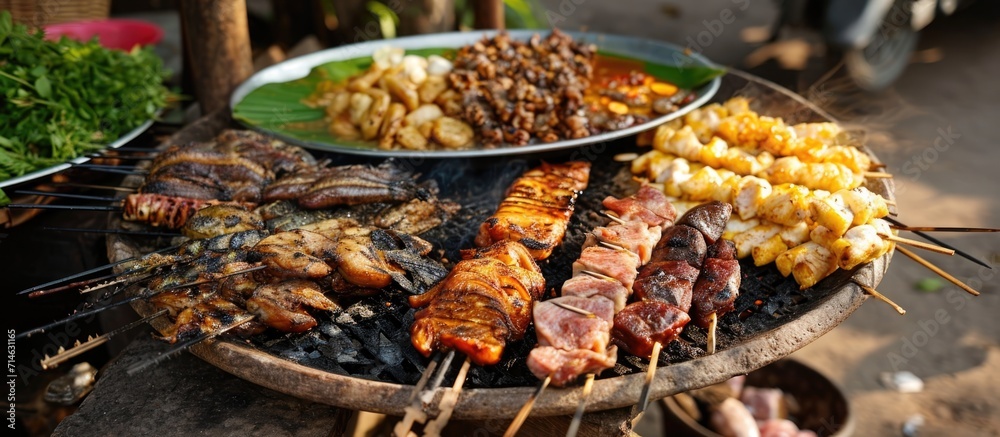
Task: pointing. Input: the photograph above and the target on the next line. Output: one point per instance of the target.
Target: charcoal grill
(361, 358)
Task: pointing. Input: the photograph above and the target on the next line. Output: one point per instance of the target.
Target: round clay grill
(301, 365)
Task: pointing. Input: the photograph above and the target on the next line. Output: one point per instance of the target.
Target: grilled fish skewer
(64, 354)
(130, 299)
(94, 270)
(176, 349)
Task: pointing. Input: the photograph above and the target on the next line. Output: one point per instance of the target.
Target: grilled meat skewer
(570, 345)
(537, 208)
(486, 300)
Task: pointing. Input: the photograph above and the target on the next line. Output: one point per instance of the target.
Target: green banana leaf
(278, 107)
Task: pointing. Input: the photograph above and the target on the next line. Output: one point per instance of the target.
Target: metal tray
(630, 47)
(123, 140)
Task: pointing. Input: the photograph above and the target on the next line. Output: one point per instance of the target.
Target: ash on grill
(370, 338)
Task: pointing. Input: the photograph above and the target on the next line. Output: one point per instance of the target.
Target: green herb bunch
(61, 99)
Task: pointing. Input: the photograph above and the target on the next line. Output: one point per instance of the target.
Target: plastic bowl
(823, 407)
(113, 34)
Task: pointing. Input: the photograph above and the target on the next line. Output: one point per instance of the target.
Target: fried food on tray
(400, 102)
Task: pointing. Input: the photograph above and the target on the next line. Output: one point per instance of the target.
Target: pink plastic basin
(113, 34)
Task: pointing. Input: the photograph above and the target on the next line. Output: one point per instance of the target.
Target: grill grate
(370, 338)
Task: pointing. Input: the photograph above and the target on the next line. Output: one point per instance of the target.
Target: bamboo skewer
(654, 359)
(448, 402)
(918, 244)
(113, 231)
(937, 270)
(163, 356)
(522, 414)
(104, 167)
(67, 195)
(96, 310)
(942, 229)
(79, 348)
(91, 271)
(877, 175)
(39, 293)
(574, 425)
(942, 244)
(95, 187)
(414, 412)
(576, 310)
(64, 207)
(713, 325)
(874, 293)
(598, 275)
(614, 218)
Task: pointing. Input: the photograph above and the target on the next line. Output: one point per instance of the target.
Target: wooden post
(488, 14)
(426, 16)
(218, 41)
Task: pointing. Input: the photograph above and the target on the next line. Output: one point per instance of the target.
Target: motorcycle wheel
(877, 65)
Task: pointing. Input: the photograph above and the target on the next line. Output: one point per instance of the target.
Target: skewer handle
(918, 244)
(937, 270)
(713, 325)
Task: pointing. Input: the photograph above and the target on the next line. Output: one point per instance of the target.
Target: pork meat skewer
(485, 301)
(574, 330)
(672, 287)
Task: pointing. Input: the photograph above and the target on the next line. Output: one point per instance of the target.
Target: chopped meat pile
(515, 91)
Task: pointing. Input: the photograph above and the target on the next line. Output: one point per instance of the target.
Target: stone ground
(949, 339)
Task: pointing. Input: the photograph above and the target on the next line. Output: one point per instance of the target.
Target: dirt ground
(938, 131)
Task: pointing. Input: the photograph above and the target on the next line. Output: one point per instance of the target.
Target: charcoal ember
(351, 341)
(307, 340)
(388, 351)
(295, 355)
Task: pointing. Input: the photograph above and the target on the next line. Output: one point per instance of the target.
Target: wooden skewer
(598, 275)
(64, 207)
(96, 187)
(67, 195)
(614, 246)
(877, 175)
(71, 285)
(133, 278)
(95, 310)
(611, 216)
(937, 270)
(574, 425)
(79, 348)
(918, 244)
(163, 356)
(112, 231)
(448, 402)
(654, 358)
(91, 271)
(522, 415)
(874, 293)
(942, 229)
(713, 324)
(575, 309)
(927, 237)
(414, 412)
(889, 202)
